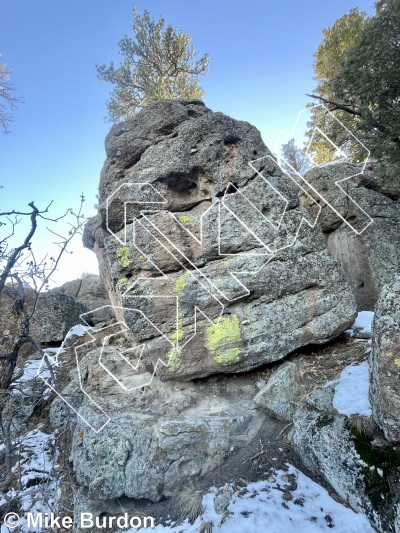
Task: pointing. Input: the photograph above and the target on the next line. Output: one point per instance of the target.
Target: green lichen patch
(123, 258)
(122, 285)
(223, 338)
(397, 362)
(177, 335)
(188, 220)
(180, 283)
(173, 356)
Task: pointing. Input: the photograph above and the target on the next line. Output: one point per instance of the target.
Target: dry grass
(206, 527)
(189, 503)
(362, 424)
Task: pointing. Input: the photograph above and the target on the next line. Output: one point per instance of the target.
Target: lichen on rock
(223, 338)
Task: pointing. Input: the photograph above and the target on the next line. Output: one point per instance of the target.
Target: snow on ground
(34, 368)
(78, 330)
(352, 390)
(272, 507)
(36, 472)
(363, 323)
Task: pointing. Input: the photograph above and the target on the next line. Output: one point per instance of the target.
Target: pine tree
(362, 87)
(159, 63)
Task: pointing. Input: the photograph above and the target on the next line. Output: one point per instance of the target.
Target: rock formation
(385, 362)
(213, 269)
(362, 229)
(211, 262)
(90, 292)
(55, 313)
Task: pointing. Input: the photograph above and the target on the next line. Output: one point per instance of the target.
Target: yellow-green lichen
(188, 220)
(122, 285)
(174, 358)
(174, 353)
(123, 257)
(180, 283)
(389, 354)
(222, 336)
(397, 362)
(177, 335)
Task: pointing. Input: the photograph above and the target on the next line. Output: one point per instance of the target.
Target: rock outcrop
(211, 262)
(362, 475)
(361, 225)
(90, 292)
(150, 442)
(55, 313)
(385, 362)
(349, 452)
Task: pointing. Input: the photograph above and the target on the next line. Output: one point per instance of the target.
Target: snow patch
(37, 471)
(352, 391)
(266, 506)
(363, 323)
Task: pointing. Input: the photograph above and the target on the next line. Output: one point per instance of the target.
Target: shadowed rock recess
(369, 251)
(218, 271)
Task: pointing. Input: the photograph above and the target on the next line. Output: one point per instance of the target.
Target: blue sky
(261, 55)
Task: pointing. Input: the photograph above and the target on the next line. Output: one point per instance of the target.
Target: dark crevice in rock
(182, 182)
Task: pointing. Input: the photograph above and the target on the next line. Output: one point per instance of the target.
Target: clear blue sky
(261, 55)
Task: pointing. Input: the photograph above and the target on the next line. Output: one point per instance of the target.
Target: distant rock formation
(55, 313)
(90, 292)
(370, 257)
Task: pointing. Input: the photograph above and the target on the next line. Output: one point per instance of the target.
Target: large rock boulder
(360, 224)
(385, 362)
(55, 313)
(158, 438)
(90, 292)
(211, 262)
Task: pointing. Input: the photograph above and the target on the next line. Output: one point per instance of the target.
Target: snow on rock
(352, 391)
(78, 330)
(363, 323)
(34, 368)
(289, 502)
(36, 469)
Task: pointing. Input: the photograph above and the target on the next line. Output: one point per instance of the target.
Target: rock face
(279, 393)
(158, 437)
(330, 447)
(90, 292)
(55, 314)
(210, 262)
(385, 362)
(361, 230)
(350, 452)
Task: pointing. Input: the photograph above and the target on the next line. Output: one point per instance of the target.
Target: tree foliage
(8, 100)
(329, 58)
(159, 63)
(22, 271)
(296, 158)
(361, 85)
